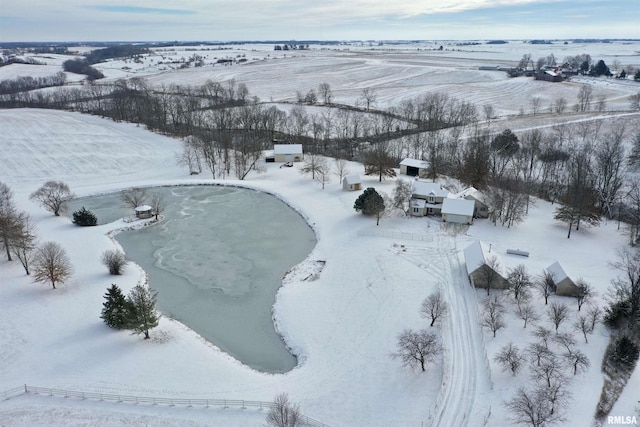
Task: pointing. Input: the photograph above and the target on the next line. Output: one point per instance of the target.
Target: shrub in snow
(115, 261)
(84, 217)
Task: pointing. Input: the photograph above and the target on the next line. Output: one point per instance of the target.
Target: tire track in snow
(465, 373)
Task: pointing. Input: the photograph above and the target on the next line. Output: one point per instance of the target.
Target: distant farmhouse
(430, 198)
(427, 198)
(481, 208)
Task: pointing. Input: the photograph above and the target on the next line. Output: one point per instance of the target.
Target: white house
(287, 152)
(459, 211)
(564, 285)
(481, 208)
(482, 266)
(432, 193)
(414, 167)
(352, 183)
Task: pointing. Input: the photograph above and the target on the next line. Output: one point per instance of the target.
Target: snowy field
(341, 320)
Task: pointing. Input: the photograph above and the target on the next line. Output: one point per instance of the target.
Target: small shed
(144, 211)
(564, 285)
(459, 211)
(287, 152)
(478, 261)
(352, 183)
(414, 167)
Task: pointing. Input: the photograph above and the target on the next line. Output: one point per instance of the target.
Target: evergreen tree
(115, 310)
(370, 202)
(84, 217)
(142, 314)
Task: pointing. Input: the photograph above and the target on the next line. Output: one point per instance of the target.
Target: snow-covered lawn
(342, 322)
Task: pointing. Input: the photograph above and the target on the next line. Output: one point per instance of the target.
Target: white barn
(287, 152)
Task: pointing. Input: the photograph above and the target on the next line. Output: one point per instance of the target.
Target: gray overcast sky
(219, 20)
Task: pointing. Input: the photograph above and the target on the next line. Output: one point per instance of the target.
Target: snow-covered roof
(474, 256)
(557, 272)
(471, 192)
(458, 207)
(287, 148)
(551, 73)
(418, 203)
(352, 179)
(414, 163)
(143, 208)
(423, 188)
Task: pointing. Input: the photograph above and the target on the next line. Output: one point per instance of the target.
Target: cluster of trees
(82, 66)
(26, 83)
(417, 348)
(136, 311)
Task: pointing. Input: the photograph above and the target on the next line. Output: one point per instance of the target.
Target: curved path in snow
(466, 374)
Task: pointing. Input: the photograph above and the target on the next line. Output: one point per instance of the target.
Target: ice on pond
(217, 262)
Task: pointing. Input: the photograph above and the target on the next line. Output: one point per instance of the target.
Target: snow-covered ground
(342, 320)
(342, 324)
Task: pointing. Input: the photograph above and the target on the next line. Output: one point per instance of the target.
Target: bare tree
(9, 224)
(369, 97)
(323, 172)
(340, 168)
(537, 352)
(510, 358)
(158, 205)
(577, 360)
(536, 104)
(546, 285)
(493, 316)
(582, 324)
(560, 105)
(490, 273)
(566, 340)
(324, 91)
(549, 371)
(134, 197)
(543, 334)
(115, 261)
(527, 313)
(584, 98)
(593, 314)
(519, 282)
(585, 292)
(190, 156)
(53, 196)
(433, 307)
(533, 408)
(402, 195)
(312, 164)
(634, 101)
(557, 314)
(284, 413)
(51, 264)
(24, 241)
(417, 348)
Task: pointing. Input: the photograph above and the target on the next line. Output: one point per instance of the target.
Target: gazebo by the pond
(144, 211)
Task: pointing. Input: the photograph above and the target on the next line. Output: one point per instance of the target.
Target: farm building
(432, 193)
(459, 211)
(352, 183)
(287, 152)
(481, 208)
(144, 211)
(549, 76)
(483, 265)
(414, 167)
(564, 285)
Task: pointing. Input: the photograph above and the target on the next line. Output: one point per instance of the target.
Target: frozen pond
(217, 262)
